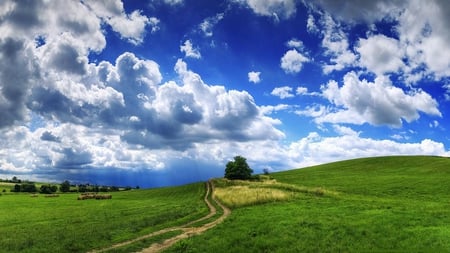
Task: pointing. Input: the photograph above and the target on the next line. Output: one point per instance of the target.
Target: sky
(166, 92)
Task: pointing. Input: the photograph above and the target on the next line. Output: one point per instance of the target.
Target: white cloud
(130, 26)
(174, 2)
(422, 32)
(154, 23)
(272, 8)
(336, 45)
(208, 24)
(434, 124)
(342, 130)
(311, 26)
(282, 92)
(189, 51)
(295, 43)
(269, 109)
(292, 61)
(254, 77)
(380, 54)
(378, 103)
(301, 90)
(350, 145)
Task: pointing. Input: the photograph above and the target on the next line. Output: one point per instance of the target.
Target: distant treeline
(66, 186)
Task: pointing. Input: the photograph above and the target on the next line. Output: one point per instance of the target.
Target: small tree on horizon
(65, 186)
(238, 169)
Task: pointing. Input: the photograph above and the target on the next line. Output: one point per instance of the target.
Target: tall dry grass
(244, 195)
(237, 193)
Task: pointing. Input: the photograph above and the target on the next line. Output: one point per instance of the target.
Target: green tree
(65, 186)
(45, 189)
(16, 188)
(29, 187)
(238, 169)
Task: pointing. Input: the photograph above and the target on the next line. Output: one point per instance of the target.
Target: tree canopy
(238, 169)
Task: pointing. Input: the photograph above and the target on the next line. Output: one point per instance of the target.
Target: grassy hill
(379, 204)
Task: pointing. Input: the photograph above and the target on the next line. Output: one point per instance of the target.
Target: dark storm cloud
(48, 136)
(67, 58)
(72, 158)
(16, 74)
(25, 14)
(54, 105)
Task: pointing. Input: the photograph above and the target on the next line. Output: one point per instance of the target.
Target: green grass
(65, 224)
(385, 204)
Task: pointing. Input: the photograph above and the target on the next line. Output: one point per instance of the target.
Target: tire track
(187, 229)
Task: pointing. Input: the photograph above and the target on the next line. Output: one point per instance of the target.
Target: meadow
(65, 224)
(382, 204)
(385, 204)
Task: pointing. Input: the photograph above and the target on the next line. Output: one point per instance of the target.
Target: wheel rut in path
(187, 229)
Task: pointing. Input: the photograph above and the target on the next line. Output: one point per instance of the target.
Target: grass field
(386, 204)
(65, 224)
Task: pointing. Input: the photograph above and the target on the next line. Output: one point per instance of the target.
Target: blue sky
(165, 92)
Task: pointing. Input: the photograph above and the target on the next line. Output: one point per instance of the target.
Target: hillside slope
(383, 204)
(399, 176)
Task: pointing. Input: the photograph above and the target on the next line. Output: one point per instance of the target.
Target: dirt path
(187, 230)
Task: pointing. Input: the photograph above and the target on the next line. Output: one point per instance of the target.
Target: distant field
(386, 204)
(65, 224)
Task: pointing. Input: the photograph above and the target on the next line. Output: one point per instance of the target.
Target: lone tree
(238, 169)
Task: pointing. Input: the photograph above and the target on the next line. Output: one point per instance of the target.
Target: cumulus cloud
(421, 35)
(189, 51)
(82, 135)
(350, 145)
(292, 61)
(15, 81)
(378, 103)
(254, 77)
(130, 26)
(380, 54)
